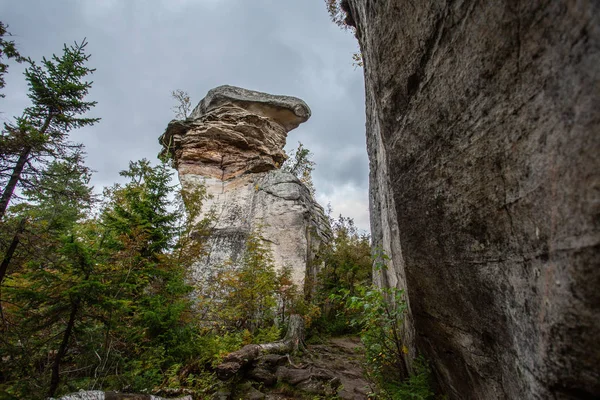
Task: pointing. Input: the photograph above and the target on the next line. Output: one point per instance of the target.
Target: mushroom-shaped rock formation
(233, 131)
(232, 144)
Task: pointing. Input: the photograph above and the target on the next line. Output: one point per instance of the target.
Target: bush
(379, 313)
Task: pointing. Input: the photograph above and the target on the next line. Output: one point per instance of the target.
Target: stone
(291, 223)
(232, 144)
(100, 395)
(483, 134)
(314, 380)
(265, 367)
(222, 394)
(287, 111)
(249, 392)
(233, 131)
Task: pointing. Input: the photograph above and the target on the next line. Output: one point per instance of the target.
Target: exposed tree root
(293, 342)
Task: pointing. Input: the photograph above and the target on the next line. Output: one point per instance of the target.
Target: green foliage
(57, 90)
(338, 12)
(117, 283)
(8, 50)
(244, 295)
(301, 165)
(380, 313)
(252, 295)
(140, 209)
(53, 278)
(267, 335)
(347, 266)
(350, 305)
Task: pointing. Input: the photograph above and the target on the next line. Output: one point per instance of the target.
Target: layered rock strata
(232, 144)
(483, 132)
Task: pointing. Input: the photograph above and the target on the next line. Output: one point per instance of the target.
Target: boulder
(483, 134)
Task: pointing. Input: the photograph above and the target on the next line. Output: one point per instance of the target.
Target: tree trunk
(15, 177)
(11, 250)
(293, 341)
(62, 350)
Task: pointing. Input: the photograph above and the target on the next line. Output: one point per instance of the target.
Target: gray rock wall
(275, 205)
(483, 130)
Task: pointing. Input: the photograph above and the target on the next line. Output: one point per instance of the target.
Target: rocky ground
(329, 370)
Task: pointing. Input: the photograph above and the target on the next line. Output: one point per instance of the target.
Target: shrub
(379, 313)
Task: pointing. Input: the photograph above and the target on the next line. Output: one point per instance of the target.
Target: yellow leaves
(246, 337)
(404, 349)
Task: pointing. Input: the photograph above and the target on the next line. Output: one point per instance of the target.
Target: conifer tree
(8, 50)
(56, 200)
(99, 302)
(52, 278)
(57, 91)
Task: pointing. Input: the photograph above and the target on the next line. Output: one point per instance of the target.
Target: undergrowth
(379, 313)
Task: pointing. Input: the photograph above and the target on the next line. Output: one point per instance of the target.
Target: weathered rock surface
(233, 145)
(233, 131)
(483, 130)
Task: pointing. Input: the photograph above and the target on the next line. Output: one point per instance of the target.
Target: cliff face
(232, 144)
(483, 131)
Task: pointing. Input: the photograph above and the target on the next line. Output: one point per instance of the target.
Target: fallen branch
(293, 342)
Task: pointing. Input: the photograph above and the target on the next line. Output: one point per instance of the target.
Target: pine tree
(8, 50)
(56, 199)
(52, 274)
(57, 90)
(99, 302)
(150, 297)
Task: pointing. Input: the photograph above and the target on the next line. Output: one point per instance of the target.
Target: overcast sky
(144, 49)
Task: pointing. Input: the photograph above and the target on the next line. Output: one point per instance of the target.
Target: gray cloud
(144, 49)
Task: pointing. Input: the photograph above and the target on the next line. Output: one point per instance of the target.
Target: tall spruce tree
(57, 90)
(56, 200)
(98, 302)
(149, 294)
(50, 281)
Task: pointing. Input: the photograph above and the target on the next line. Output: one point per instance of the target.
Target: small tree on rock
(183, 104)
(301, 165)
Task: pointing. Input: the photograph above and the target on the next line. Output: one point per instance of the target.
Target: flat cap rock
(233, 131)
(286, 110)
